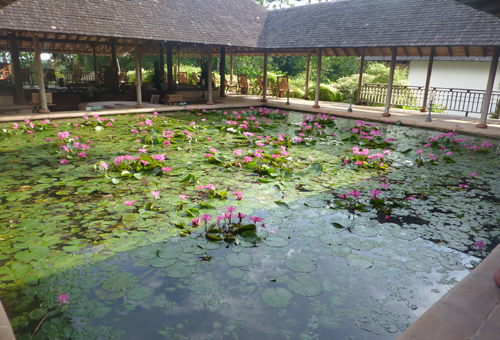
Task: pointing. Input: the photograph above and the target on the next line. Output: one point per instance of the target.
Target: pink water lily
(63, 298)
(156, 194)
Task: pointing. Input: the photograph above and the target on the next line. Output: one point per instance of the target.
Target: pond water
(336, 242)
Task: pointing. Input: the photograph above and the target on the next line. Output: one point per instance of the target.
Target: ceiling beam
(419, 52)
(450, 51)
(406, 52)
(346, 52)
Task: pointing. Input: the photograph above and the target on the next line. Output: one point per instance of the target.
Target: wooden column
(14, 57)
(178, 60)
(95, 61)
(222, 71)
(264, 81)
(489, 89)
(391, 80)
(162, 62)
(138, 73)
(114, 64)
(231, 66)
(308, 71)
(39, 71)
(318, 79)
(170, 77)
(428, 80)
(209, 80)
(361, 70)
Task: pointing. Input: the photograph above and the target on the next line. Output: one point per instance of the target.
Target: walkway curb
(469, 311)
(6, 332)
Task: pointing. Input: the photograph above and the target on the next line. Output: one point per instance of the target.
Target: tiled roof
(244, 23)
(4, 3)
(366, 23)
(219, 22)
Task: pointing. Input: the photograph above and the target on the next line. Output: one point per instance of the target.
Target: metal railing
(448, 99)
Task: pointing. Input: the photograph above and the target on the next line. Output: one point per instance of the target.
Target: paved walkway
(374, 113)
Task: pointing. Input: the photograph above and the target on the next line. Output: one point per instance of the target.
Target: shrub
(326, 93)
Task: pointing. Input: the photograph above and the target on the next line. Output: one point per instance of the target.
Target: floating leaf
(118, 282)
(276, 241)
(305, 286)
(238, 259)
(279, 297)
(301, 263)
(140, 293)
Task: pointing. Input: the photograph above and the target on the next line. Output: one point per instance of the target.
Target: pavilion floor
(443, 122)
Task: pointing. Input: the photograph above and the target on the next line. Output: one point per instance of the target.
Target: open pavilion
(344, 28)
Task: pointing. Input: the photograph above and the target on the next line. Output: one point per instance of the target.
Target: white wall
(471, 75)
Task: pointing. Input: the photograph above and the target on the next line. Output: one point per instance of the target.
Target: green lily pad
(140, 293)
(279, 297)
(305, 286)
(301, 263)
(238, 259)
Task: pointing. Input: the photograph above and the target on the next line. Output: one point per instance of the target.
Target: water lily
(156, 194)
(63, 298)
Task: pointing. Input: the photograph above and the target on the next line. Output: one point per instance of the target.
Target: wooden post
(391, 80)
(308, 69)
(39, 71)
(178, 61)
(489, 89)
(264, 81)
(361, 70)
(222, 71)
(138, 73)
(114, 64)
(14, 57)
(428, 80)
(95, 61)
(318, 79)
(231, 66)
(162, 62)
(209, 80)
(170, 78)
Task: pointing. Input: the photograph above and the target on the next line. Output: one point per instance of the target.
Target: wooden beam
(380, 51)
(428, 79)
(318, 79)
(484, 51)
(346, 52)
(334, 52)
(308, 71)
(419, 52)
(450, 51)
(391, 80)
(406, 52)
(489, 88)
(361, 70)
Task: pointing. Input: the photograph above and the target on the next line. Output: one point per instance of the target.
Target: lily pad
(305, 286)
(301, 263)
(238, 259)
(140, 293)
(279, 297)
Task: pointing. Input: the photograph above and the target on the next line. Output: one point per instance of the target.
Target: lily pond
(237, 224)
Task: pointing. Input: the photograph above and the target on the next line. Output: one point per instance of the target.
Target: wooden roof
(341, 28)
(489, 6)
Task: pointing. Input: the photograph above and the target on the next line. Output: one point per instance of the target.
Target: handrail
(448, 99)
